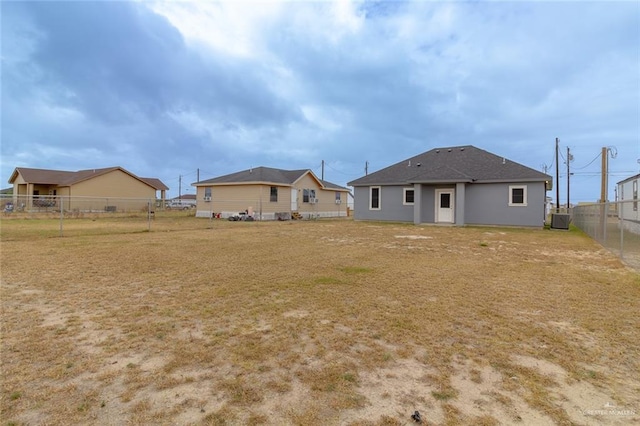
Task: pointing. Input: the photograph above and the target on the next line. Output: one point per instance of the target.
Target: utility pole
(366, 168)
(603, 187)
(569, 158)
(180, 187)
(557, 178)
(198, 175)
(323, 170)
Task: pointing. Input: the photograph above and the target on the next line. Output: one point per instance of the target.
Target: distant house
(454, 185)
(628, 211)
(269, 194)
(34, 187)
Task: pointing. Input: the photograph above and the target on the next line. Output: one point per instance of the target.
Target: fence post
(621, 216)
(61, 202)
(605, 217)
(148, 215)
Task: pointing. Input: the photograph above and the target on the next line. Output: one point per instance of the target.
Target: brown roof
(66, 178)
(156, 183)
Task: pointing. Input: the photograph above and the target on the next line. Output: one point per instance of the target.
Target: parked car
(175, 205)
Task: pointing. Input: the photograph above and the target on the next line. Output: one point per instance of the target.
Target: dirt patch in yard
(318, 322)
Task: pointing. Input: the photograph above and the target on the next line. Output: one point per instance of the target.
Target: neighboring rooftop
(451, 165)
(266, 175)
(67, 178)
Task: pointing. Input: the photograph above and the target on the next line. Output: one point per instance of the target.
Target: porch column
(417, 203)
(459, 206)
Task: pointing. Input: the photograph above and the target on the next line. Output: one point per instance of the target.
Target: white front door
(294, 200)
(444, 206)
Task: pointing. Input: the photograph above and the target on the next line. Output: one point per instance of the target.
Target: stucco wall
(115, 184)
(484, 204)
(391, 207)
(488, 204)
(231, 199)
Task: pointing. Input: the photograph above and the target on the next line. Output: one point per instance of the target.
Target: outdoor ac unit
(338, 201)
(207, 198)
(560, 221)
(313, 200)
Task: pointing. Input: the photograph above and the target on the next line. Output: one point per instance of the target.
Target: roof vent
(449, 150)
(409, 165)
(462, 149)
(504, 160)
(419, 164)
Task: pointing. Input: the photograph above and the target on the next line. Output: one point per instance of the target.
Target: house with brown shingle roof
(267, 194)
(31, 185)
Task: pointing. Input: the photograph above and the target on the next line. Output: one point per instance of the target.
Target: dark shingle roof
(266, 175)
(452, 165)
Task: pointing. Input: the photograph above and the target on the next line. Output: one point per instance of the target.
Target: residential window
(338, 196)
(308, 194)
(408, 196)
(273, 194)
(518, 195)
(374, 198)
(207, 194)
(635, 195)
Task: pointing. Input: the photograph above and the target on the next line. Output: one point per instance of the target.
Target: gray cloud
(124, 83)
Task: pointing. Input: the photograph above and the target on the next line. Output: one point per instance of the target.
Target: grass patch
(151, 327)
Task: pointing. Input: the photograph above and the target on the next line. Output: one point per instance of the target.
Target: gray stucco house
(461, 185)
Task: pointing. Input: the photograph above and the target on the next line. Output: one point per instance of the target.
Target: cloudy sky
(165, 89)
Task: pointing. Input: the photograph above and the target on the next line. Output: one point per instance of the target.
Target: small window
(308, 195)
(407, 198)
(374, 198)
(517, 195)
(338, 196)
(207, 192)
(273, 194)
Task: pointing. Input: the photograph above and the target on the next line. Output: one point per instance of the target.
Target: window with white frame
(517, 195)
(408, 196)
(207, 194)
(338, 196)
(308, 195)
(374, 198)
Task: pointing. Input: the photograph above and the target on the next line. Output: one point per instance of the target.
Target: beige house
(93, 189)
(270, 194)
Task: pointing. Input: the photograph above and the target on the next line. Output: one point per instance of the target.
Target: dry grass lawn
(316, 322)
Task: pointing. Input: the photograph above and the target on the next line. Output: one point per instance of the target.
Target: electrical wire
(590, 163)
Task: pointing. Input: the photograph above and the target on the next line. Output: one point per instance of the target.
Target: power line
(590, 163)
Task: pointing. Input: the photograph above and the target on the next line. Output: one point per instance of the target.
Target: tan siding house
(76, 188)
(270, 194)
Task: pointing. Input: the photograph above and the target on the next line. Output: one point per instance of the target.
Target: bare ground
(321, 322)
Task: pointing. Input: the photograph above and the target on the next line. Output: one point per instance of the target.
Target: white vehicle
(180, 205)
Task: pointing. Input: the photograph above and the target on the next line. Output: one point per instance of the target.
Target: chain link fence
(615, 225)
(50, 216)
